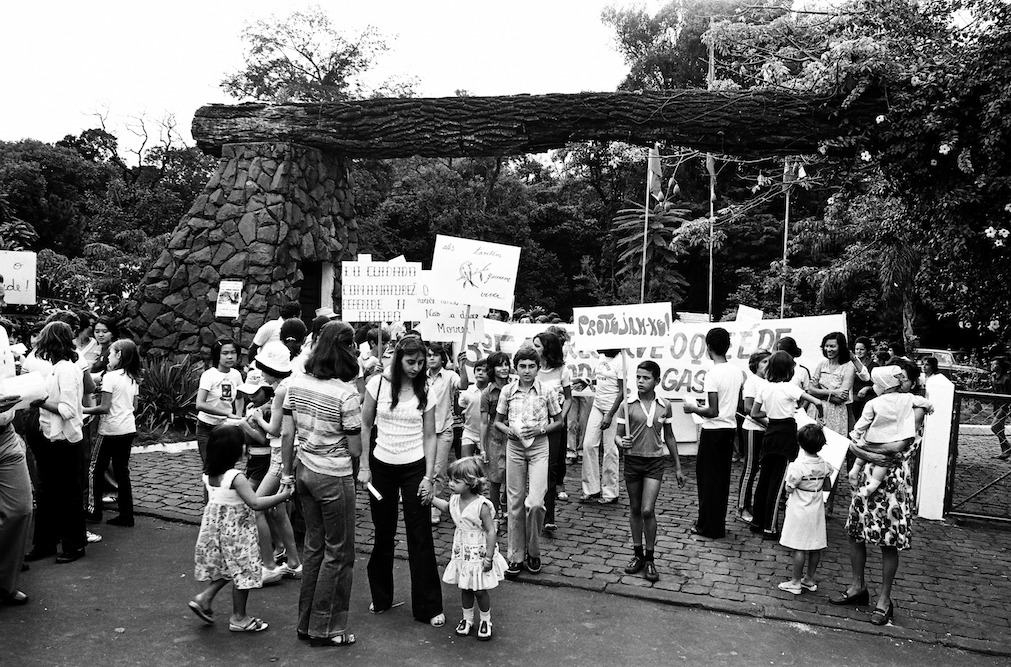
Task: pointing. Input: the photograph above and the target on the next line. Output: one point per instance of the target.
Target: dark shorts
(638, 468)
(257, 466)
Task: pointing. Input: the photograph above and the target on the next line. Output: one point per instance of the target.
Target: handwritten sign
(475, 272)
(423, 304)
(377, 291)
(632, 325)
(446, 323)
(17, 274)
(229, 299)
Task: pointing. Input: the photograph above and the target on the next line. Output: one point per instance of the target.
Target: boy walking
(526, 412)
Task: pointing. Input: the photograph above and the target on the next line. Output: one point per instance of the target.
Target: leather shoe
(635, 565)
(70, 556)
(882, 616)
(858, 598)
(651, 574)
(14, 599)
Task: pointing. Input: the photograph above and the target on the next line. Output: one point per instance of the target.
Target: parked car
(955, 366)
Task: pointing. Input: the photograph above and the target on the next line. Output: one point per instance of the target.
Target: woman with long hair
(401, 464)
(832, 381)
(59, 515)
(554, 375)
(321, 408)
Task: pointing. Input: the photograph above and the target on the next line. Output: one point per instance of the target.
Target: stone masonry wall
(268, 207)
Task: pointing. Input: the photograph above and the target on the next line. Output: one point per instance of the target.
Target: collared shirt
(533, 406)
(440, 395)
(645, 426)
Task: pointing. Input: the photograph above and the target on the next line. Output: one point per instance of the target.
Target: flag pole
(711, 166)
(786, 237)
(645, 233)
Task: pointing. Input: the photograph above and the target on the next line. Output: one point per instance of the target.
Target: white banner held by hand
(475, 272)
(17, 276)
(377, 291)
(612, 327)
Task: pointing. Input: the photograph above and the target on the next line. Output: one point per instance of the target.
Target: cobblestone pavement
(952, 587)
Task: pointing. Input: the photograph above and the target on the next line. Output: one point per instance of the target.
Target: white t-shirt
(220, 388)
(270, 331)
(120, 419)
(556, 379)
(606, 376)
(470, 402)
(779, 399)
(726, 381)
(751, 387)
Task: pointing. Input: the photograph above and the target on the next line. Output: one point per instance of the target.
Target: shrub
(168, 395)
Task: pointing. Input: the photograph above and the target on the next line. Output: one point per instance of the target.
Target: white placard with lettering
(423, 304)
(18, 275)
(377, 291)
(444, 323)
(612, 327)
(475, 272)
(229, 299)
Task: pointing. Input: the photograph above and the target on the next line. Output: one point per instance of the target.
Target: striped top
(400, 435)
(325, 413)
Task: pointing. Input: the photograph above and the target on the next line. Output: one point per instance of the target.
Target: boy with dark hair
(722, 387)
(527, 412)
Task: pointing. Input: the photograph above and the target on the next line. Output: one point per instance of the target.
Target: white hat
(275, 357)
(254, 382)
(326, 311)
(885, 378)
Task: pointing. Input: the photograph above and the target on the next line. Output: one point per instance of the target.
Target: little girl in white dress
(476, 565)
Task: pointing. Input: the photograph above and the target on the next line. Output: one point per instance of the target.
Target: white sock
(468, 614)
(485, 615)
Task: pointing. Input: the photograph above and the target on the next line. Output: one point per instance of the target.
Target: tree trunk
(756, 123)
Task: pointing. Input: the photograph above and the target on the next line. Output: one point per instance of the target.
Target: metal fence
(979, 484)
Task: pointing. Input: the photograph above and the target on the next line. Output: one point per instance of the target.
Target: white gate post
(934, 449)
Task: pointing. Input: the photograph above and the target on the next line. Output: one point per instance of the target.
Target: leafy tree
(304, 57)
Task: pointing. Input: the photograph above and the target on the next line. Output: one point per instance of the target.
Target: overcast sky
(63, 61)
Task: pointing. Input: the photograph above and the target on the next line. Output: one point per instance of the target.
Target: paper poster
(18, 276)
(633, 325)
(377, 291)
(423, 304)
(475, 272)
(446, 324)
(229, 299)
(748, 314)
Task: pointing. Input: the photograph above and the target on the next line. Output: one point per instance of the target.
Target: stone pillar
(267, 208)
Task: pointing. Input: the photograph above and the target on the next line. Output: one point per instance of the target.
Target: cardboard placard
(473, 272)
(18, 275)
(377, 291)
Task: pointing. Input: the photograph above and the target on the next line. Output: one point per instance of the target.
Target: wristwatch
(544, 430)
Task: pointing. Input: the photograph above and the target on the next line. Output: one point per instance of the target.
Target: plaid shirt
(528, 407)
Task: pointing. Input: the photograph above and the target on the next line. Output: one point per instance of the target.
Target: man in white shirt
(271, 331)
(722, 386)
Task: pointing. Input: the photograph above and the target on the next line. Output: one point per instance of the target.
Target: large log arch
(281, 194)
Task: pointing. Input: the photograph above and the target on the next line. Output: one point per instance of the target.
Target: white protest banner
(17, 274)
(475, 272)
(683, 362)
(229, 299)
(377, 291)
(444, 323)
(632, 325)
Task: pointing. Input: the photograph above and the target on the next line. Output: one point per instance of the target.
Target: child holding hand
(476, 565)
(804, 527)
(227, 549)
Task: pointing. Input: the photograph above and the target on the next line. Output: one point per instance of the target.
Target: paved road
(952, 587)
(125, 604)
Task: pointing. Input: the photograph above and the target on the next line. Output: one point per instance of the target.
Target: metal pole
(645, 236)
(710, 77)
(786, 237)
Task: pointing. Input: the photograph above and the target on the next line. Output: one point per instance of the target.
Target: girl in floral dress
(227, 549)
(476, 565)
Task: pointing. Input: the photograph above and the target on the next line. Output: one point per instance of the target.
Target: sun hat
(885, 378)
(253, 383)
(275, 358)
(327, 312)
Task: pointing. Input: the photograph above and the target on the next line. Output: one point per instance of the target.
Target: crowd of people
(324, 407)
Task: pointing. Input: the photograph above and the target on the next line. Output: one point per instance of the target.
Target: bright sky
(64, 61)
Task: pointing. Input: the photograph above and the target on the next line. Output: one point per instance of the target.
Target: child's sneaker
(92, 537)
(533, 564)
(484, 631)
(513, 569)
(463, 627)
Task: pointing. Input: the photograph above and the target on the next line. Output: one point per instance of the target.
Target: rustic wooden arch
(281, 196)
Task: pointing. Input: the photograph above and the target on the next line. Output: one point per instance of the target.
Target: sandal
(438, 621)
(205, 615)
(254, 625)
(346, 639)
